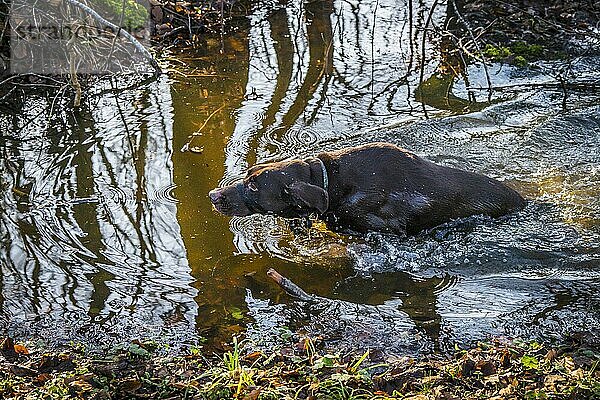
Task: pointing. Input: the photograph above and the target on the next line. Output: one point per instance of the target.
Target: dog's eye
(252, 186)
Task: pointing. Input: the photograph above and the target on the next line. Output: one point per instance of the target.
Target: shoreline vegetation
(303, 370)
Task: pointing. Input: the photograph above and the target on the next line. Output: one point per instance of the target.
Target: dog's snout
(215, 195)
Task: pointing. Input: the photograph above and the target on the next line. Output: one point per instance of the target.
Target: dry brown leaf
(20, 349)
(7, 345)
(253, 356)
(506, 391)
(41, 379)
(80, 386)
(487, 368)
(505, 359)
(551, 380)
(578, 374)
(569, 364)
(130, 385)
(253, 395)
(551, 355)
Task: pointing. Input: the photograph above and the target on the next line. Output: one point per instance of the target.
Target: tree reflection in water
(92, 245)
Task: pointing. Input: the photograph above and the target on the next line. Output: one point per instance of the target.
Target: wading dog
(374, 187)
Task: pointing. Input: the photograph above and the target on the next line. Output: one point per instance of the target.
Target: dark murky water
(106, 232)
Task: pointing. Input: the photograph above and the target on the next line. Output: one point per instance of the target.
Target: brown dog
(375, 187)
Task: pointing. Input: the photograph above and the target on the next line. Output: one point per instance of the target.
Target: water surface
(107, 234)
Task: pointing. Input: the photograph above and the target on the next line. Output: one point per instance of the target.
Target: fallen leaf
(551, 380)
(569, 364)
(505, 359)
(7, 346)
(253, 356)
(578, 373)
(506, 391)
(79, 387)
(130, 385)
(21, 371)
(41, 379)
(466, 367)
(52, 362)
(551, 355)
(20, 349)
(253, 395)
(487, 368)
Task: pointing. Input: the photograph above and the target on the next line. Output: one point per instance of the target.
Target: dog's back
(397, 190)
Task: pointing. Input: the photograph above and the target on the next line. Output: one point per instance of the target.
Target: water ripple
(163, 194)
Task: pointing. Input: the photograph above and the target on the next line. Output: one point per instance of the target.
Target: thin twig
(73, 71)
(373, 51)
(112, 45)
(422, 72)
(476, 44)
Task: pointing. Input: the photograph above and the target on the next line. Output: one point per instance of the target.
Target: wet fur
(374, 187)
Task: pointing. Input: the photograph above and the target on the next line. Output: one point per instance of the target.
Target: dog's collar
(325, 176)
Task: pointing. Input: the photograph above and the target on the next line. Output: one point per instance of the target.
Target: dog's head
(289, 189)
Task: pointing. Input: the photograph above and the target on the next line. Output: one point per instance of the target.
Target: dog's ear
(254, 168)
(305, 195)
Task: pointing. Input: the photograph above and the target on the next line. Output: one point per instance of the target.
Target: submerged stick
(290, 287)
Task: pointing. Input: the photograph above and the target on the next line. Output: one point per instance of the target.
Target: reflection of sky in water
(316, 81)
(262, 75)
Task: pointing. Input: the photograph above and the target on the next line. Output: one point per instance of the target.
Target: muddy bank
(494, 370)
